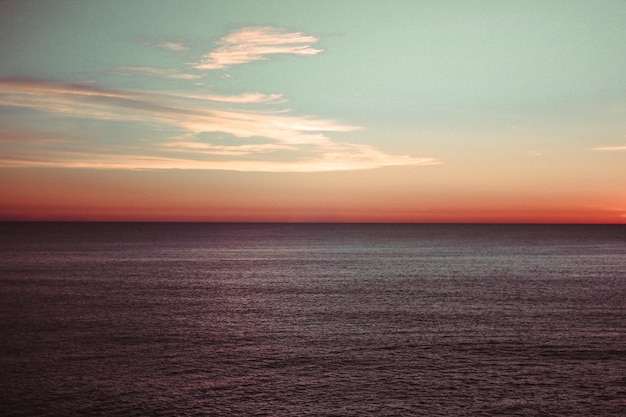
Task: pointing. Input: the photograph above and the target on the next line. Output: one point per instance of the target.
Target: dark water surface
(312, 320)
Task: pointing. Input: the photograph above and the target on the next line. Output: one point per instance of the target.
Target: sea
(210, 319)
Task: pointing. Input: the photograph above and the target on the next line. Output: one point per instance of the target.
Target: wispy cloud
(610, 149)
(303, 139)
(194, 117)
(171, 73)
(255, 43)
(18, 137)
(82, 101)
(244, 98)
(27, 85)
(173, 46)
(285, 129)
(103, 160)
(231, 150)
(199, 129)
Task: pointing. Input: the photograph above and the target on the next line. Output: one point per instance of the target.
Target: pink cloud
(610, 149)
(173, 46)
(286, 142)
(255, 43)
(244, 98)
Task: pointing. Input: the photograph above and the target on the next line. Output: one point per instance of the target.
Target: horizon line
(315, 222)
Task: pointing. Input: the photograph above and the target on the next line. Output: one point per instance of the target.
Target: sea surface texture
(312, 320)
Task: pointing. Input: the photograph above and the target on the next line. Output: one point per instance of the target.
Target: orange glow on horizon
(87, 210)
(356, 197)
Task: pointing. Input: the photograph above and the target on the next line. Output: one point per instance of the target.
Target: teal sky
(448, 102)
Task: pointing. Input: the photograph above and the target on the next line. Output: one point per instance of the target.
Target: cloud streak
(256, 43)
(170, 73)
(195, 117)
(173, 46)
(244, 98)
(101, 160)
(610, 149)
(303, 140)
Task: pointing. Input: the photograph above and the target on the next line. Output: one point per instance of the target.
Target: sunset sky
(333, 111)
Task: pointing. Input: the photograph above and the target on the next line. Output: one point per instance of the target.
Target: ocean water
(312, 320)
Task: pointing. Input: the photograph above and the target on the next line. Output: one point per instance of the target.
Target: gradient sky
(392, 111)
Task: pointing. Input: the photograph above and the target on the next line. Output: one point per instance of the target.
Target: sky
(313, 111)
